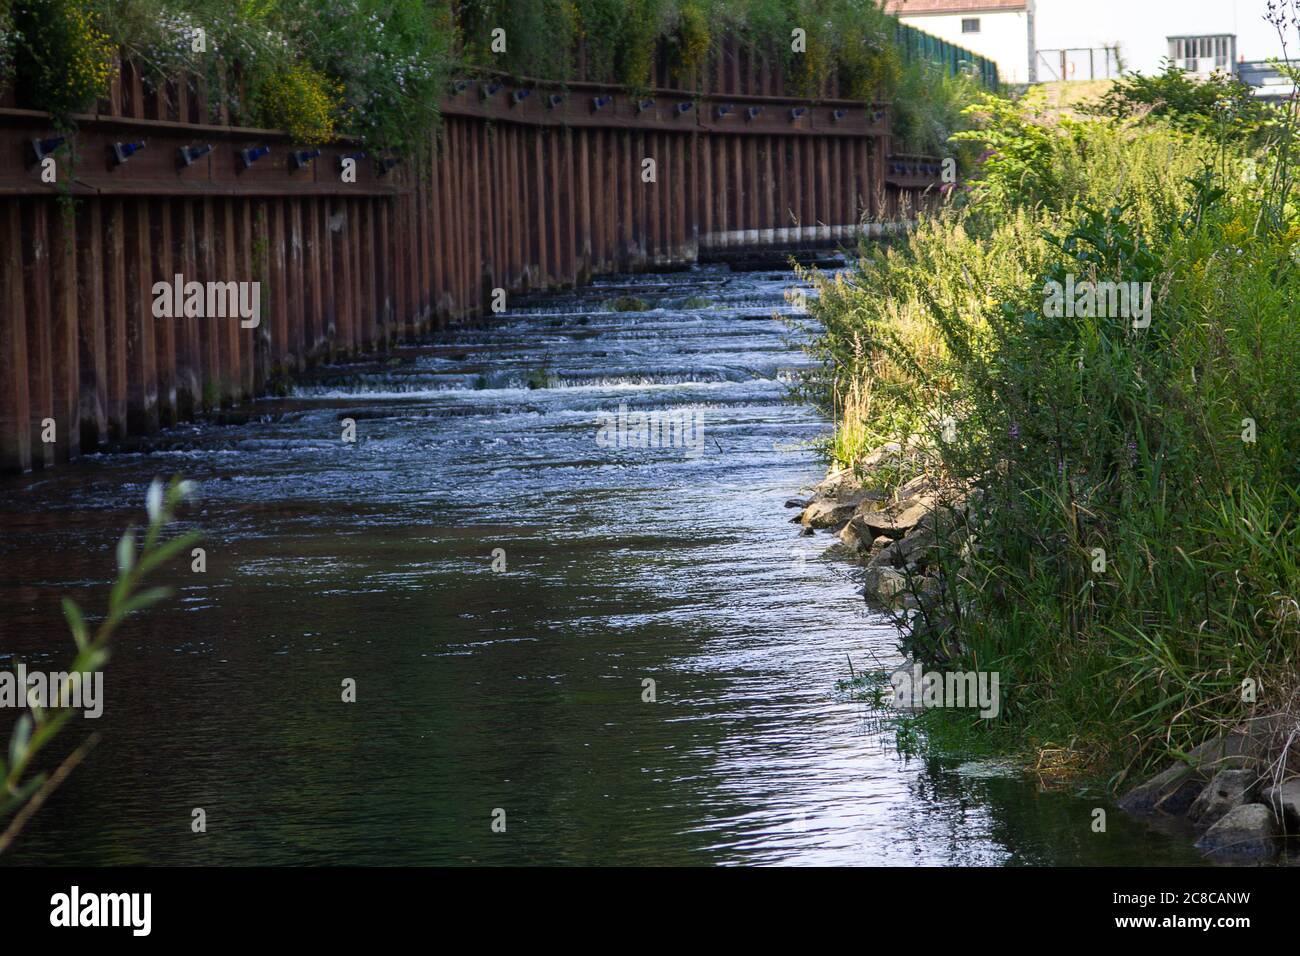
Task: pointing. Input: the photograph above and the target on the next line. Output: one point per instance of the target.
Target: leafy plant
(26, 788)
(1081, 432)
(692, 39)
(299, 99)
(8, 37)
(1219, 104)
(541, 376)
(65, 59)
(388, 65)
(1019, 165)
(376, 70)
(928, 106)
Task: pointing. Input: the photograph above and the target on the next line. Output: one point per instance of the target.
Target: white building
(999, 30)
(1041, 40)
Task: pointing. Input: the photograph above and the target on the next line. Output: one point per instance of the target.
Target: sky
(1142, 26)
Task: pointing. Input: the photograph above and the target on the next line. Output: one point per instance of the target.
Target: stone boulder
(1171, 792)
(1228, 789)
(926, 593)
(1247, 832)
(839, 552)
(887, 556)
(884, 584)
(837, 483)
(834, 512)
(888, 452)
(1246, 747)
(915, 548)
(1284, 800)
(852, 542)
(918, 486)
(893, 521)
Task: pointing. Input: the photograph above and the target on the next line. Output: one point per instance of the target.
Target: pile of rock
(1234, 788)
(895, 535)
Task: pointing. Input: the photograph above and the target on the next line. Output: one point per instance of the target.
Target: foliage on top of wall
(6, 42)
(63, 56)
(370, 69)
(619, 38)
(300, 99)
(376, 70)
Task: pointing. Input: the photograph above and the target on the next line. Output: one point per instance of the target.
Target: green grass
(1087, 433)
(935, 733)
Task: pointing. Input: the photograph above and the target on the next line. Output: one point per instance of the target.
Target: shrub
(8, 39)
(1087, 433)
(371, 69)
(928, 106)
(299, 99)
(692, 40)
(377, 69)
(389, 63)
(1219, 104)
(539, 33)
(65, 60)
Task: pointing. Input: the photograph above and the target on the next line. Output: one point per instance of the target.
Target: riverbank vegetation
(27, 775)
(376, 69)
(1132, 568)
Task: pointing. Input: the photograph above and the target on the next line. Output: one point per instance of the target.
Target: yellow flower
(1235, 232)
(302, 101)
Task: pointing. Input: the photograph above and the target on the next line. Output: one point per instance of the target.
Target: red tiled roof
(905, 7)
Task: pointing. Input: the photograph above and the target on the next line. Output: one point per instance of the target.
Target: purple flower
(1014, 431)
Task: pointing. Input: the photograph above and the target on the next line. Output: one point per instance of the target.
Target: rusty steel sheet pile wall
(528, 185)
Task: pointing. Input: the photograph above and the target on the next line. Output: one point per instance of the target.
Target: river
(513, 694)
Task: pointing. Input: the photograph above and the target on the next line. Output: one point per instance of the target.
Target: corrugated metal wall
(527, 185)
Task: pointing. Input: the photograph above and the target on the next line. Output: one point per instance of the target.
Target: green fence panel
(919, 45)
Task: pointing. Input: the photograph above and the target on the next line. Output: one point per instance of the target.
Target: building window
(970, 25)
(1203, 54)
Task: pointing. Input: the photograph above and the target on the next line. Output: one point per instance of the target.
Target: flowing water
(521, 689)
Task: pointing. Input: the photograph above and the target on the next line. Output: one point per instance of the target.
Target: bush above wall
(376, 70)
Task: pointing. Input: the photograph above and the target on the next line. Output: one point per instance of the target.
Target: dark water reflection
(518, 690)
